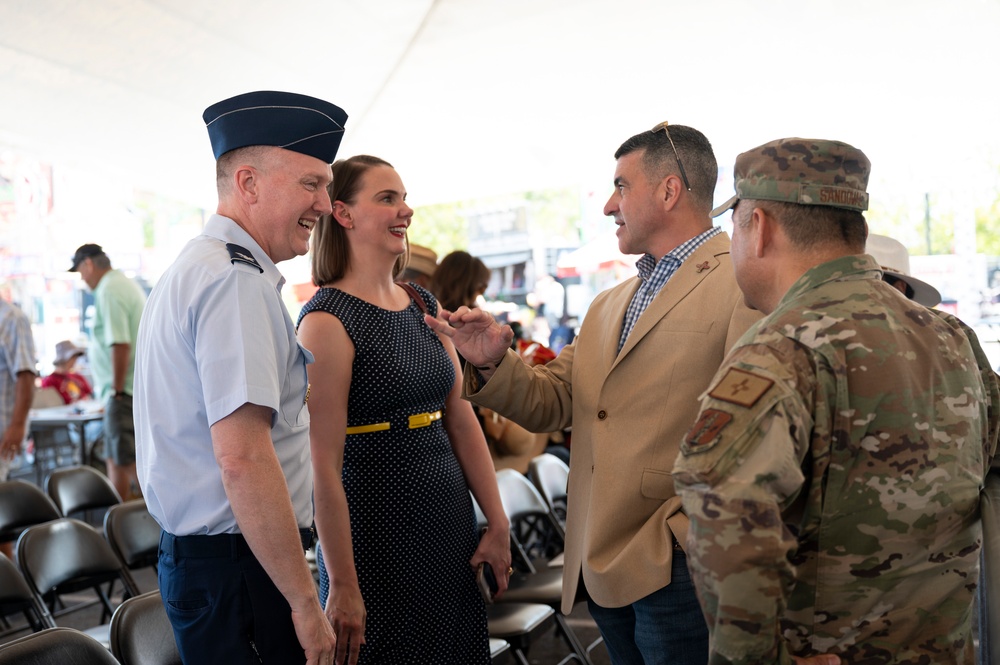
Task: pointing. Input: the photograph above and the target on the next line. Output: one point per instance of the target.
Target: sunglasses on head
(663, 126)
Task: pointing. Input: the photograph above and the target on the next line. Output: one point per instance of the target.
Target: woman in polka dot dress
(395, 449)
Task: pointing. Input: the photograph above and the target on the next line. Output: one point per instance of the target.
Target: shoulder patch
(741, 387)
(707, 429)
(239, 254)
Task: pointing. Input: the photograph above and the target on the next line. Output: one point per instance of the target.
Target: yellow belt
(416, 421)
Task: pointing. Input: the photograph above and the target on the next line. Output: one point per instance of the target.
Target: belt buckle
(423, 419)
(420, 420)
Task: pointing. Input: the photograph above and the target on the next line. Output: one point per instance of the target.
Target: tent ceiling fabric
(478, 97)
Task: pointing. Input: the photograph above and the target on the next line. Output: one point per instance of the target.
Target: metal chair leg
(572, 640)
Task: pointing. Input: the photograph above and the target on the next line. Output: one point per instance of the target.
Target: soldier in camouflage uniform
(833, 476)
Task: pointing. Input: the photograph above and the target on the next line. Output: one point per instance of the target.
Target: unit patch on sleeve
(707, 429)
(741, 387)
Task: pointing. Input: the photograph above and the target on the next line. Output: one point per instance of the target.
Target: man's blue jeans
(666, 627)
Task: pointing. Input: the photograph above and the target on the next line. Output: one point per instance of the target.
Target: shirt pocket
(295, 397)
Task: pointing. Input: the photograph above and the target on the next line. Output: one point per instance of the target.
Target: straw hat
(422, 259)
(895, 262)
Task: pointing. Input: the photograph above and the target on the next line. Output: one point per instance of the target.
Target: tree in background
(552, 214)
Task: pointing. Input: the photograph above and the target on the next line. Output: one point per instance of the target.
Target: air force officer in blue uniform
(222, 423)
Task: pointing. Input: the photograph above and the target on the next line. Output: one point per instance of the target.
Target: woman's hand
(345, 609)
(494, 549)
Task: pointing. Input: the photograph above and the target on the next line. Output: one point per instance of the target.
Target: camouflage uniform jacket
(833, 478)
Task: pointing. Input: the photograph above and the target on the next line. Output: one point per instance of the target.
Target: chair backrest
(141, 633)
(78, 488)
(45, 398)
(534, 530)
(56, 646)
(133, 534)
(16, 597)
(66, 555)
(22, 505)
(520, 498)
(550, 475)
(14, 591)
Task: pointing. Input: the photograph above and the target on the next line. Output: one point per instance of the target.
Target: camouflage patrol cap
(803, 171)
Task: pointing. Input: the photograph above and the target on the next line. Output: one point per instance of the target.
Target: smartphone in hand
(487, 582)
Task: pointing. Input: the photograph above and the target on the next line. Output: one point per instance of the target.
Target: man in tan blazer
(629, 387)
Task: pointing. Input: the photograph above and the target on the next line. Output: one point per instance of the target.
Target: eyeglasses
(663, 126)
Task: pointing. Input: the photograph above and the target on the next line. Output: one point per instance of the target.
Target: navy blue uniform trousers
(221, 603)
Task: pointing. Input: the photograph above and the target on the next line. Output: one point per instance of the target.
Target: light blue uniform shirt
(216, 335)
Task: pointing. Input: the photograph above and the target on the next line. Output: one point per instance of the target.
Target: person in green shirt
(118, 305)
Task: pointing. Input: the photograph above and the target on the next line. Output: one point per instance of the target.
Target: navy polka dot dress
(412, 519)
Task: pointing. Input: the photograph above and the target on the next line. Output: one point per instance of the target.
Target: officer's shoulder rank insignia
(741, 387)
(239, 254)
(708, 427)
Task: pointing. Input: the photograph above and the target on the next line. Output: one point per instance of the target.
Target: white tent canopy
(474, 97)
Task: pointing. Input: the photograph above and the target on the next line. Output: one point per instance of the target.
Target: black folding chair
(500, 653)
(133, 534)
(79, 489)
(56, 646)
(525, 506)
(550, 476)
(22, 505)
(519, 624)
(141, 633)
(66, 556)
(16, 598)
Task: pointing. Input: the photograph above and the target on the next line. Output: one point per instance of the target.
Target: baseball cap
(803, 171)
(85, 252)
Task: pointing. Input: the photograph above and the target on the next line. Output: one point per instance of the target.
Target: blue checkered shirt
(654, 275)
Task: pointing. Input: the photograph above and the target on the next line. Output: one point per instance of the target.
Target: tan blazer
(629, 412)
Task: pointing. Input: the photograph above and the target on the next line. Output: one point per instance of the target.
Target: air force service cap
(803, 171)
(284, 119)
